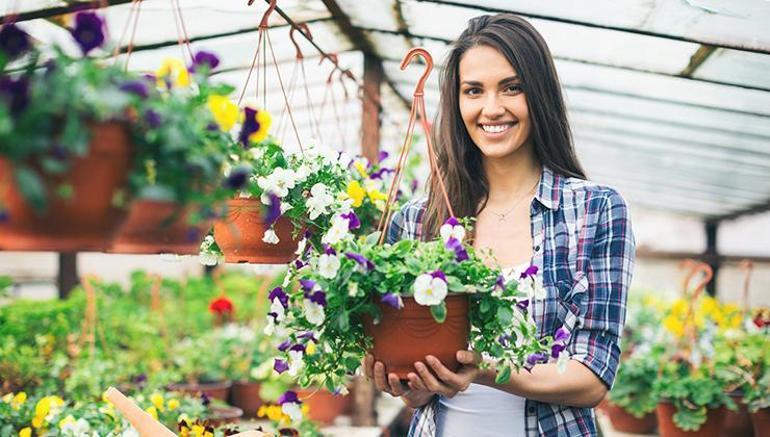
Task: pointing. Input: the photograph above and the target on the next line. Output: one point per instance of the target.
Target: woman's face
(492, 104)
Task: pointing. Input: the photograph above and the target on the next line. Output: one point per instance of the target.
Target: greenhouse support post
(712, 254)
(68, 273)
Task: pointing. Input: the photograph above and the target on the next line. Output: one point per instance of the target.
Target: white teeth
(496, 128)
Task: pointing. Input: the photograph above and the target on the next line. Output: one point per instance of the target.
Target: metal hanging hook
(266, 15)
(304, 29)
(410, 55)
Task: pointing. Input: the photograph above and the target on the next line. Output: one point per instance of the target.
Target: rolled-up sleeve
(596, 342)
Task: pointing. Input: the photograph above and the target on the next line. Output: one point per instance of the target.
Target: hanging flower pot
(405, 336)
(760, 419)
(737, 423)
(87, 218)
(324, 406)
(623, 421)
(667, 428)
(154, 227)
(240, 235)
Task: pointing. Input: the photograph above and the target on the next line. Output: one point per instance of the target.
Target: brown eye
(472, 91)
(513, 89)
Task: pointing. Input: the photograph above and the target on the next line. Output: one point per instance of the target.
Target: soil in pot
(154, 227)
(405, 336)
(245, 395)
(737, 423)
(667, 428)
(623, 421)
(324, 406)
(761, 421)
(86, 220)
(214, 390)
(239, 235)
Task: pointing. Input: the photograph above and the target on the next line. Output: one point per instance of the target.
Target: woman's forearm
(578, 386)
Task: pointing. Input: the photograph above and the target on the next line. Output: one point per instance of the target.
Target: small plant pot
(155, 227)
(405, 336)
(239, 235)
(245, 395)
(760, 419)
(223, 415)
(623, 421)
(85, 221)
(737, 423)
(667, 428)
(214, 390)
(324, 406)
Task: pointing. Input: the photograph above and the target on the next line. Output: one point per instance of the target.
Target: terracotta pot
(667, 428)
(214, 390)
(223, 415)
(87, 221)
(324, 406)
(760, 419)
(239, 235)
(245, 395)
(737, 423)
(154, 227)
(409, 334)
(624, 421)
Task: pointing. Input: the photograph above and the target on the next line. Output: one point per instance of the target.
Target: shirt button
(531, 410)
(537, 248)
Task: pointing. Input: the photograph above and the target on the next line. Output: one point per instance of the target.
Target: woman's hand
(445, 382)
(392, 385)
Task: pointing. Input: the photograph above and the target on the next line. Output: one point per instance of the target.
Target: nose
(492, 107)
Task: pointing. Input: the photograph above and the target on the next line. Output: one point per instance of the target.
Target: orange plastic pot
(239, 235)
(405, 336)
(245, 395)
(324, 406)
(154, 227)
(761, 421)
(667, 428)
(623, 421)
(85, 221)
(737, 423)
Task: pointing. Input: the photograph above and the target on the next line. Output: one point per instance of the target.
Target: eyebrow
(502, 82)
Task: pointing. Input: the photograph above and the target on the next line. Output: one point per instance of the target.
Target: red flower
(762, 317)
(221, 306)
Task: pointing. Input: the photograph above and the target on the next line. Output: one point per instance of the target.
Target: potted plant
(281, 195)
(196, 362)
(65, 146)
(183, 124)
(353, 291)
(247, 351)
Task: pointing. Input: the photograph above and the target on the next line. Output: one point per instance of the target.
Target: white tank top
(482, 411)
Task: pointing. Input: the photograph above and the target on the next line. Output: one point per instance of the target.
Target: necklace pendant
(502, 219)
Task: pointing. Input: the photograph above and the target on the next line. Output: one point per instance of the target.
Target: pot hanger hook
(304, 29)
(266, 15)
(419, 51)
(708, 274)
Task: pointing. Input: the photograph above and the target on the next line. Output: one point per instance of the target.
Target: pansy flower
(13, 41)
(393, 300)
(355, 192)
(238, 177)
(452, 229)
(361, 260)
(314, 305)
(225, 112)
(280, 366)
(353, 221)
(296, 353)
(318, 202)
(461, 254)
(291, 405)
(172, 73)
(88, 31)
(204, 59)
(256, 125)
(328, 265)
(273, 209)
(136, 87)
(430, 288)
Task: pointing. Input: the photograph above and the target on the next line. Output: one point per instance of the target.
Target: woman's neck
(511, 176)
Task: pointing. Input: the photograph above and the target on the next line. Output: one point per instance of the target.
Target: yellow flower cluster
(45, 406)
(225, 112)
(16, 400)
(173, 70)
(724, 316)
(276, 414)
(358, 193)
(195, 430)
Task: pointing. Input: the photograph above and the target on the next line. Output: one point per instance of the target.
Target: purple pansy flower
(380, 173)
(353, 221)
(205, 400)
(273, 209)
(308, 335)
(329, 250)
(361, 260)
(556, 349)
(284, 346)
(140, 378)
(280, 365)
(237, 178)
(561, 335)
(204, 58)
(250, 125)
(393, 300)
(298, 264)
(460, 253)
(298, 348)
(452, 221)
(414, 185)
(279, 294)
(504, 340)
(307, 284)
(439, 274)
(289, 397)
(500, 282)
(382, 156)
(152, 118)
(13, 41)
(88, 31)
(537, 357)
(523, 304)
(530, 271)
(17, 93)
(136, 87)
(318, 298)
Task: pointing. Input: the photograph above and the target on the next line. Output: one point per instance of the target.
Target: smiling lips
(496, 128)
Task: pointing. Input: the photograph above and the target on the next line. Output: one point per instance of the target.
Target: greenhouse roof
(669, 100)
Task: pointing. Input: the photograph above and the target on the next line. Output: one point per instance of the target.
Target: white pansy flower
(328, 265)
(283, 181)
(257, 153)
(429, 290)
(293, 410)
(561, 362)
(277, 307)
(339, 231)
(270, 237)
(314, 313)
(449, 230)
(319, 200)
(302, 173)
(285, 207)
(295, 362)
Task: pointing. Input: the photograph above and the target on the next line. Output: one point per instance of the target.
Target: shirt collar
(549, 189)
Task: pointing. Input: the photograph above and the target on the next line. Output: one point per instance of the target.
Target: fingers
(447, 376)
(468, 357)
(430, 381)
(396, 387)
(380, 380)
(368, 366)
(415, 382)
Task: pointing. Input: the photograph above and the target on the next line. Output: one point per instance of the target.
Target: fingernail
(431, 359)
(418, 365)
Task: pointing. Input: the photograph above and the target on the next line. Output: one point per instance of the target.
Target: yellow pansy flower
(310, 348)
(153, 412)
(674, 325)
(18, 400)
(356, 192)
(69, 420)
(25, 432)
(361, 169)
(173, 404)
(176, 72)
(376, 195)
(225, 112)
(261, 128)
(157, 401)
(43, 407)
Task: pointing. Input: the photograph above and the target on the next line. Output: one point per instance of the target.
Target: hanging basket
(87, 220)
(154, 227)
(667, 428)
(761, 421)
(405, 336)
(239, 235)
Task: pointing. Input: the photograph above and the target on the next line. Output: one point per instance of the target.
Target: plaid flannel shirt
(583, 246)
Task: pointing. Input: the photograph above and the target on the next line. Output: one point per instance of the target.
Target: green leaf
(485, 306)
(343, 321)
(454, 284)
(504, 315)
(503, 375)
(31, 187)
(439, 312)
(372, 238)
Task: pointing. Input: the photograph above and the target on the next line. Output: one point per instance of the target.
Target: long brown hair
(459, 158)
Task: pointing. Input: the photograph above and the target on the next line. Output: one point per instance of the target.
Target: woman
(507, 158)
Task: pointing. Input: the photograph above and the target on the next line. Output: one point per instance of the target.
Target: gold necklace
(501, 217)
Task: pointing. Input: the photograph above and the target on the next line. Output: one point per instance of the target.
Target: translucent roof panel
(735, 66)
